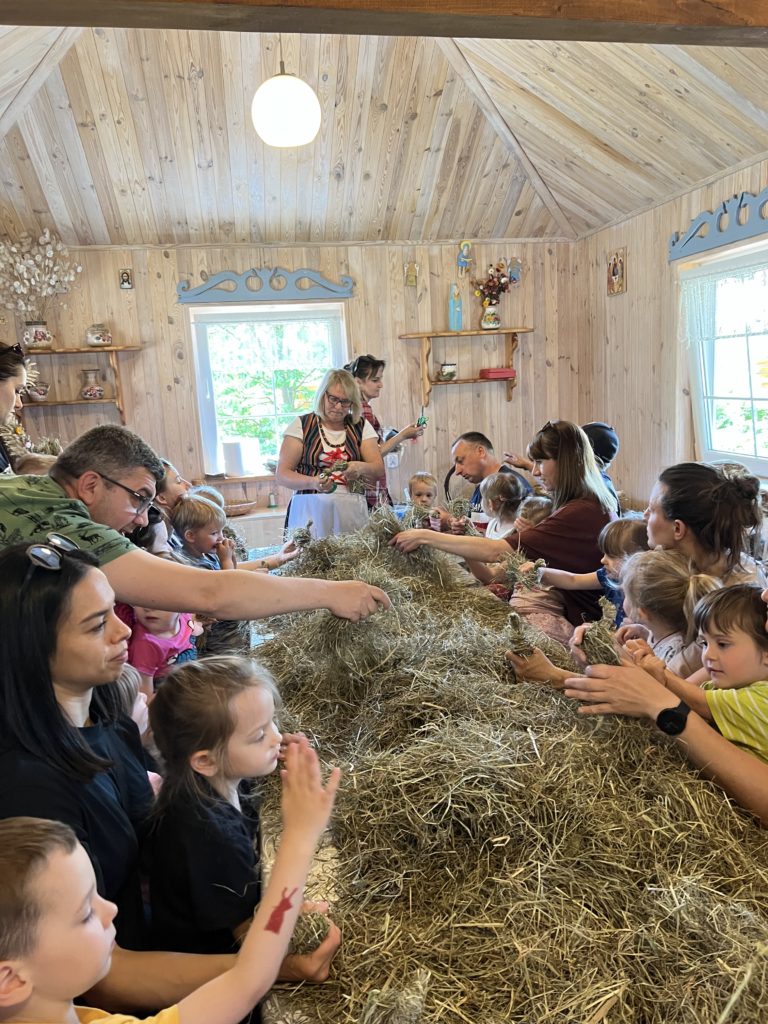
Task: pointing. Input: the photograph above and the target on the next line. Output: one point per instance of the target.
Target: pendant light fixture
(285, 110)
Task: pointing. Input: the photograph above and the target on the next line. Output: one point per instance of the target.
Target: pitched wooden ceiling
(128, 136)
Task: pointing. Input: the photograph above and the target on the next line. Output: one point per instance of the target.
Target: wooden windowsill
(221, 478)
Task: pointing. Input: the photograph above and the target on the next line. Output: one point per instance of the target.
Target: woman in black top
(68, 753)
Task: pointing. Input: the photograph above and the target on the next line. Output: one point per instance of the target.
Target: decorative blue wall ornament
(737, 218)
(272, 284)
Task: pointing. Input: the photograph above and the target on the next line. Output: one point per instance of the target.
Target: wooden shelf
(113, 354)
(71, 401)
(472, 380)
(78, 351)
(510, 335)
(465, 334)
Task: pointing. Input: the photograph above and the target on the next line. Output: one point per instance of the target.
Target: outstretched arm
(307, 806)
(139, 578)
(480, 549)
(631, 691)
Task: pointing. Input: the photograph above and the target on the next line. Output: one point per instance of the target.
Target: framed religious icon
(617, 272)
(126, 279)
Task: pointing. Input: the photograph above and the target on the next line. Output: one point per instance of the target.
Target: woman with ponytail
(707, 514)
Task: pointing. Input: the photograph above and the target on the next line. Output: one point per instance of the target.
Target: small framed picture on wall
(126, 279)
(617, 272)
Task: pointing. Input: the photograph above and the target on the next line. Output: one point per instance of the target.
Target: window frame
(714, 266)
(201, 315)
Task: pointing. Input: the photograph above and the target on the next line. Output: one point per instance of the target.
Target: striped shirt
(741, 715)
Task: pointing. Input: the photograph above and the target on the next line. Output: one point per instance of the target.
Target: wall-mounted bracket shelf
(113, 352)
(510, 335)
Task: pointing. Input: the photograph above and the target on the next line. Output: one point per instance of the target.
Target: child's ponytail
(699, 586)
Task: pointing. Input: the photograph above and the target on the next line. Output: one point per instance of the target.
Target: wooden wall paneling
(15, 212)
(251, 58)
(407, 165)
(173, 53)
(113, 138)
(308, 65)
(67, 163)
(385, 201)
(149, 116)
(357, 117)
(100, 176)
(129, 153)
(377, 98)
(73, 163)
(238, 116)
(340, 131)
(440, 91)
(40, 157)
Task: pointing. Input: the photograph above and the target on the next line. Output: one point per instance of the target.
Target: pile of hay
(501, 858)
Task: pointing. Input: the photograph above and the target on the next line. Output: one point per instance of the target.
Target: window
(258, 367)
(725, 310)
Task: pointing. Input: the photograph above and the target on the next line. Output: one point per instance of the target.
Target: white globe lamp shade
(285, 111)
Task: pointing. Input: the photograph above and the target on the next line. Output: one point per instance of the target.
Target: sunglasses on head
(16, 349)
(48, 555)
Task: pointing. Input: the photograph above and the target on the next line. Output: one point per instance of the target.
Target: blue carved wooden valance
(740, 217)
(269, 284)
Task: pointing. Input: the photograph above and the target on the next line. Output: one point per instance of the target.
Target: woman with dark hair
(708, 514)
(13, 380)
(368, 371)
(68, 753)
(564, 464)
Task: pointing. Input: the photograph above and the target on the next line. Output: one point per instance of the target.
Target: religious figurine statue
(463, 260)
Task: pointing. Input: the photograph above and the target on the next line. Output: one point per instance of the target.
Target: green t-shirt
(33, 506)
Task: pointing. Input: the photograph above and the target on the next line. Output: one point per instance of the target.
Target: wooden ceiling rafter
(693, 22)
(452, 52)
(37, 77)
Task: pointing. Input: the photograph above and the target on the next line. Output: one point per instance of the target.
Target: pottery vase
(36, 335)
(490, 320)
(38, 392)
(91, 389)
(98, 336)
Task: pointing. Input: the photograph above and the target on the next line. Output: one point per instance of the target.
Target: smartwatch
(672, 720)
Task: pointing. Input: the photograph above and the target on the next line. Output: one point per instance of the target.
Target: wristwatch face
(672, 720)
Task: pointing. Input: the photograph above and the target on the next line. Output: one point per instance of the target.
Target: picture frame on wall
(617, 272)
(126, 279)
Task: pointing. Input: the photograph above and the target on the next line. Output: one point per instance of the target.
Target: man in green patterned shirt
(101, 486)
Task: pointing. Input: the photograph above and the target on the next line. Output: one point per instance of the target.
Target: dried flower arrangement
(495, 284)
(33, 272)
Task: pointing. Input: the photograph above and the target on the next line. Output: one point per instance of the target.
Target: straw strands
(498, 857)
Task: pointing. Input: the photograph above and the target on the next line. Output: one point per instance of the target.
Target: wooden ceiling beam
(495, 118)
(680, 22)
(36, 78)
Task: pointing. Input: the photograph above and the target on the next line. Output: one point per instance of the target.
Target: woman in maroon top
(564, 464)
(368, 371)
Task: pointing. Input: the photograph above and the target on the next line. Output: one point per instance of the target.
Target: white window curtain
(724, 319)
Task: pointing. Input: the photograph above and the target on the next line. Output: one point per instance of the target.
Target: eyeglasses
(16, 349)
(339, 403)
(142, 500)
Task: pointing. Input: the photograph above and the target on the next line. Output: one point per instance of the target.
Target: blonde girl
(660, 593)
(501, 495)
(214, 725)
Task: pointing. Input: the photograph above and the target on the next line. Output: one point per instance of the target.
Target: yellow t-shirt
(86, 1015)
(741, 715)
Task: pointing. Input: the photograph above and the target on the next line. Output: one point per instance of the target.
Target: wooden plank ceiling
(138, 136)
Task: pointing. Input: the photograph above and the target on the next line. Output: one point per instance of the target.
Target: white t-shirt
(496, 531)
(332, 441)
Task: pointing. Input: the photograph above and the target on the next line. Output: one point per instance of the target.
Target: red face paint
(275, 922)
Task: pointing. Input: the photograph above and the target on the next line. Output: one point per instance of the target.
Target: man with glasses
(102, 486)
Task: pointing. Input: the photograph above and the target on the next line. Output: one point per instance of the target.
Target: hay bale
(310, 930)
(538, 866)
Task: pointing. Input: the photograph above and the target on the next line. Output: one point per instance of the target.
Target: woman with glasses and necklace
(326, 456)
